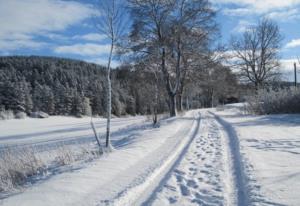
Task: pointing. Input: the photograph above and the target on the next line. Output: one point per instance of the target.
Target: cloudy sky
(235, 16)
(65, 28)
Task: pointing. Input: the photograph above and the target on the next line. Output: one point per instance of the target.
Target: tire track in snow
(138, 193)
(177, 157)
(198, 179)
(240, 179)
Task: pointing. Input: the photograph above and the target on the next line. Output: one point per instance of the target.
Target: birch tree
(111, 23)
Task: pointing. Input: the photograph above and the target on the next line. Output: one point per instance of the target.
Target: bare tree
(151, 66)
(256, 52)
(161, 29)
(196, 63)
(110, 22)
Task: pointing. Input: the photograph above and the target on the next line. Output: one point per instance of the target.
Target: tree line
(64, 87)
(60, 86)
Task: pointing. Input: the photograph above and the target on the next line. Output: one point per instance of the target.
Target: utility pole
(295, 73)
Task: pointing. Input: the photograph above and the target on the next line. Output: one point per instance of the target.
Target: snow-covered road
(210, 172)
(205, 174)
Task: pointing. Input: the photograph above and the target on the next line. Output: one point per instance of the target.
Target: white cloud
(38, 17)
(91, 37)
(55, 36)
(103, 62)
(288, 64)
(238, 11)
(294, 43)
(287, 68)
(18, 44)
(261, 5)
(242, 26)
(83, 49)
(17, 41)
(285, 15)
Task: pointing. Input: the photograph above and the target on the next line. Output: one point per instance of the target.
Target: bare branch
(257, 52)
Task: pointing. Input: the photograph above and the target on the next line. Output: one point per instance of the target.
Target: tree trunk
(173, 109)
(172, 95)
(180, 102)
(108, 109)
(156, 100)
(258, 86)
(96, 136)
(187, 103)
(212, 98)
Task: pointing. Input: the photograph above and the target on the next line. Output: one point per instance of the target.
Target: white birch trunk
(108, 109)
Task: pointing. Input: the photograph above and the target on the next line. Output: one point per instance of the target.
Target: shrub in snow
(275, 101)
(68, 154)
(87, 109)
(39, 114)
(17, 165)
(6, 114)
(20, 115)
(65, 156)
(87, 153)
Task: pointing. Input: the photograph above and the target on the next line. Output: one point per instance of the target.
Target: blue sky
(66, 29)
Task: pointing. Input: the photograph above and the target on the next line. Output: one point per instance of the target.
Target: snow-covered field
(57, 129)
(205, 157)
(270, 150)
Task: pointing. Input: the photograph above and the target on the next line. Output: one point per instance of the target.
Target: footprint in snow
(170, 187)
(207, 166)
(200, 179)
(184, 190)
(204, 171)
(192, 183)
(172, 200)
(179, 172)
(179, 178)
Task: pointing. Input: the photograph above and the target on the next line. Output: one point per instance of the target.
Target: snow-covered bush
(20, 115)
(275, 102)
(17, 165)
(68, 154)
(65, 156)
(39, 115)
(88, 153)
(87, 109)
(6, 114)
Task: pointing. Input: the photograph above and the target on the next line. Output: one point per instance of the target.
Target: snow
(205, 157)
(113, 175)
(270, 150)
(56, 129)
(203, 177)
